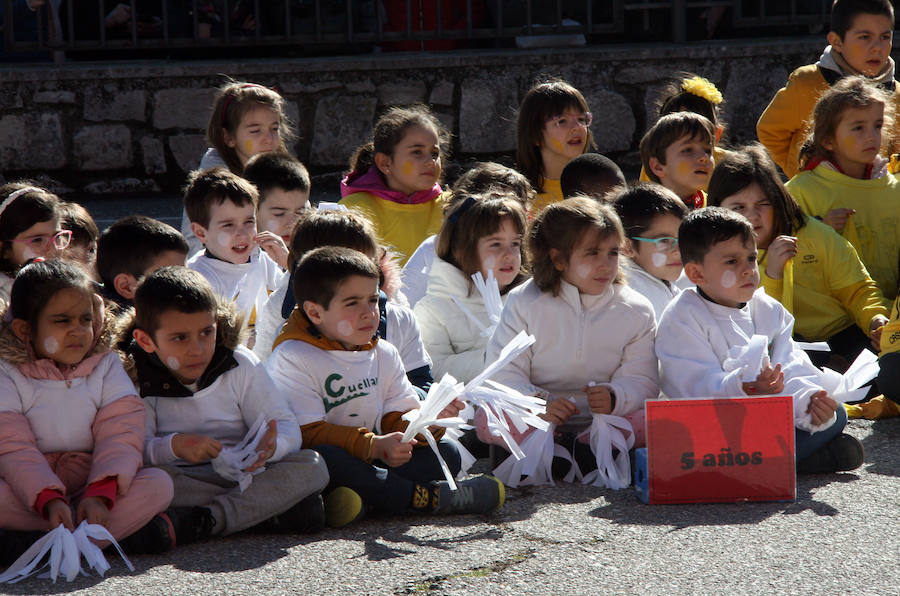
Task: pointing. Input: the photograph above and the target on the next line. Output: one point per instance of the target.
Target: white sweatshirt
(606, 339)
(658, 292)
(224, 411)
(452, 339)
(341, 387)
(694, 339)
(417, 269)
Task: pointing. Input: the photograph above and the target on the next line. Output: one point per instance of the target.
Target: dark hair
(26, 210)
(591, 174)
(78, 220)
(474, 218)
(131, 244)
(703, 228)
(844, 12)
(668, 130)
(233, 101)
(322, 270)
(690, 93)
(316, 229)
(39, 281)
(390, 129)
(486, 176)
(171, 288)
(274, 169)
(215, 186)
(750, 165)
(543, 102)
(856, 92)
(560, 227)
(639, 205)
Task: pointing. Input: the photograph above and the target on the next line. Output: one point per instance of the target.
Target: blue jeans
(806, 444)
(382, 488)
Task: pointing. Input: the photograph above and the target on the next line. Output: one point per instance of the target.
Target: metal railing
(63, 27)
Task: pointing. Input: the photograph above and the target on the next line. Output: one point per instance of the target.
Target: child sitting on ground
(677, 152)
(133, 248)
(349, 392)
(71, 426)
(650, 215)
(222, 210)
(591, 175)
(283, 186)
(705, 327)
(203, 392)
(859, 41)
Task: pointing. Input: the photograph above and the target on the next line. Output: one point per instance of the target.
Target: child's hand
(821, 407)
(266, 446)
(838, 218)
(875, 328)
(453, 409)
(780, 251)
(558, 411)
(196, 449)
(599, 399)
(770, 381)
(391, 449)
(274, 247)
(59, 512)
(94, 510)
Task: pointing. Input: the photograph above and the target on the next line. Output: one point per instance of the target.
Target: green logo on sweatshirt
(337, 393)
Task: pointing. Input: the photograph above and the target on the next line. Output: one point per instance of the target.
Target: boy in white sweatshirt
(203, 392)
(704, 334)
(349, 392)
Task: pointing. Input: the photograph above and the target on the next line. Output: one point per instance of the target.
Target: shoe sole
(343, 506)
(502, 498)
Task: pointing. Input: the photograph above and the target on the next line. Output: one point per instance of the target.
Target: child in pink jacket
(71, 426)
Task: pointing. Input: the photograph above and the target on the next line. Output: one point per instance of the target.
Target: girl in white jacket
(480, 233)
(594, 352)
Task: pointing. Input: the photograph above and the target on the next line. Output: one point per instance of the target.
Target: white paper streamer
(232, 461)
(503, 405)
(490, 295)
(536, 467)
(813, 346)
(65, 550)
(849, 386)
(608, 432)
(749, 358)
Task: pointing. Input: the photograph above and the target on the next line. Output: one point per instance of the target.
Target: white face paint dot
(729, 279)
(272, 226)
(658, 259)
(489, 263)
(172, 363)
(345, 328)
(51, 345)
(583, 270)
(224, 239)
(28, 254)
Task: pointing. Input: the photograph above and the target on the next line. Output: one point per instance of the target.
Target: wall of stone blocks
(139, 127)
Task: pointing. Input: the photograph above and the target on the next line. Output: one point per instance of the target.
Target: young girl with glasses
(651, 214)
(552, 128)
(29, 228)
(807, 266)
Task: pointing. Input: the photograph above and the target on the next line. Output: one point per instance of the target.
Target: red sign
(719, 450)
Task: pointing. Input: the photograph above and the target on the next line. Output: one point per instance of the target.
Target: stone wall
(139, 127)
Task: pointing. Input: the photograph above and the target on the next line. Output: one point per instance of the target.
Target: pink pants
(150, 493)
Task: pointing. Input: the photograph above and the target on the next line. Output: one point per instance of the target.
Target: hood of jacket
(373, 182)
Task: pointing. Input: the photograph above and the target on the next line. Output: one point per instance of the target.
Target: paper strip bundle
(65, 550)
(490, 295)
(232, 461)
(608, 432)
(849, 386)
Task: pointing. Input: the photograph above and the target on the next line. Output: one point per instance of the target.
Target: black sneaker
(842, 453)
(191, 524)
(479, 494)
(305, 517)
(14, 543)
(157, 537)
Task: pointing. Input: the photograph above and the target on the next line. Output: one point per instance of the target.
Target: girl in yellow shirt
(814, 272)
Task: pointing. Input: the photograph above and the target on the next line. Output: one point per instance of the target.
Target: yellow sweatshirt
(782, 126)
(402, 227)
(551, 192)
(831, 289)
(874, 231)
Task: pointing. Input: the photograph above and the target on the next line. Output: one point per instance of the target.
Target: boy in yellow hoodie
(859, 44)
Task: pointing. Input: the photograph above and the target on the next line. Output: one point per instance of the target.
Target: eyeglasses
(567, 122)
(664, 244)
(60, 241)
